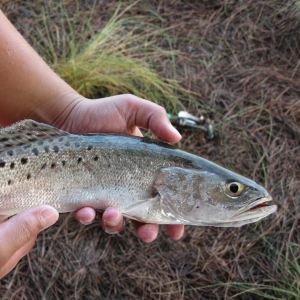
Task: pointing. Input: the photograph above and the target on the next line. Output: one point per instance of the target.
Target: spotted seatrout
(146, 180)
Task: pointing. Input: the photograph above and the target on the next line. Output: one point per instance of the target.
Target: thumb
(146, 114)
(20, 229)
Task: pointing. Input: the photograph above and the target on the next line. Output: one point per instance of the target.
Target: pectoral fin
(3, 217)
(139, 208)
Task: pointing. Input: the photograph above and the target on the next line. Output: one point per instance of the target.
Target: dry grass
(243, 58)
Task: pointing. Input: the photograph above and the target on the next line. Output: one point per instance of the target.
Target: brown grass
(243, 58)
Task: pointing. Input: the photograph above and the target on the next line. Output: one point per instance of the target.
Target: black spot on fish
(27, 146)
(43, 129)
(9, 182)
(55, 148)
(53, 165)
(63, 162)
(61, 139)
(46, 149)
(96, 158)
(77, 145)
(89, 147)
(79, 160)
(7, 145)
(28, 176)
(2, 163)
(34, 124)
(40, 143)
(32, 140)
(4, 140)
(40, 135)
(29, 133)
(12, 165)
(24, 160)
(197, 206)
(10, 152)
(43, 166)
(67, 144)
(35, 151)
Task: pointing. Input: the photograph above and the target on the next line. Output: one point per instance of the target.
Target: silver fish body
(146, 180)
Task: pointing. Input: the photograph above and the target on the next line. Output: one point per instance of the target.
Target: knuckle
(158, 113)
(161, 110)
(130, 98)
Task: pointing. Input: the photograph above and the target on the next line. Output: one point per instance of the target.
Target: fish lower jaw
(258, 205)
(255, 211)
(243, 219)
(248, 216)
(259, 212)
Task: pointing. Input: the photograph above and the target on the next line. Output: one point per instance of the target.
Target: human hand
(18, 234)
(119, 114)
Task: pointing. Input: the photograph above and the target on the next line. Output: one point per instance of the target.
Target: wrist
(55, 109)
(29, 88)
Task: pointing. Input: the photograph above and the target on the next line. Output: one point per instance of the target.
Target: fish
(147, 180)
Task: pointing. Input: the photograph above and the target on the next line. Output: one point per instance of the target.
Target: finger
(146, 232)
(112, 220)
(146, 114)
(16, 257)
(85, 215)
(22, 228)
(175, 231)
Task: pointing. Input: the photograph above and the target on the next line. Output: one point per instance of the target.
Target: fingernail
(112, 217)
(85, 223)
(114, 231)
(112, 222)
(111, 232)
(48, 217)
(173, 129)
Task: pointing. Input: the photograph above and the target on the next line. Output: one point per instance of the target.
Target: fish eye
(234, 189)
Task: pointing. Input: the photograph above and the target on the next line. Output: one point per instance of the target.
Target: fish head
(212, 197)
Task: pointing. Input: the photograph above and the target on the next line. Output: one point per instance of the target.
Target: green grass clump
(284, 283)
(117, 59)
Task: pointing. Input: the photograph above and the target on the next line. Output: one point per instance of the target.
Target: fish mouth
(260, 206)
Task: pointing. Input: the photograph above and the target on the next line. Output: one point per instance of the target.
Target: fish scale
(147, 180)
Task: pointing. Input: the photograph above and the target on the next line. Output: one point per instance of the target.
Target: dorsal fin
(26, 131)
